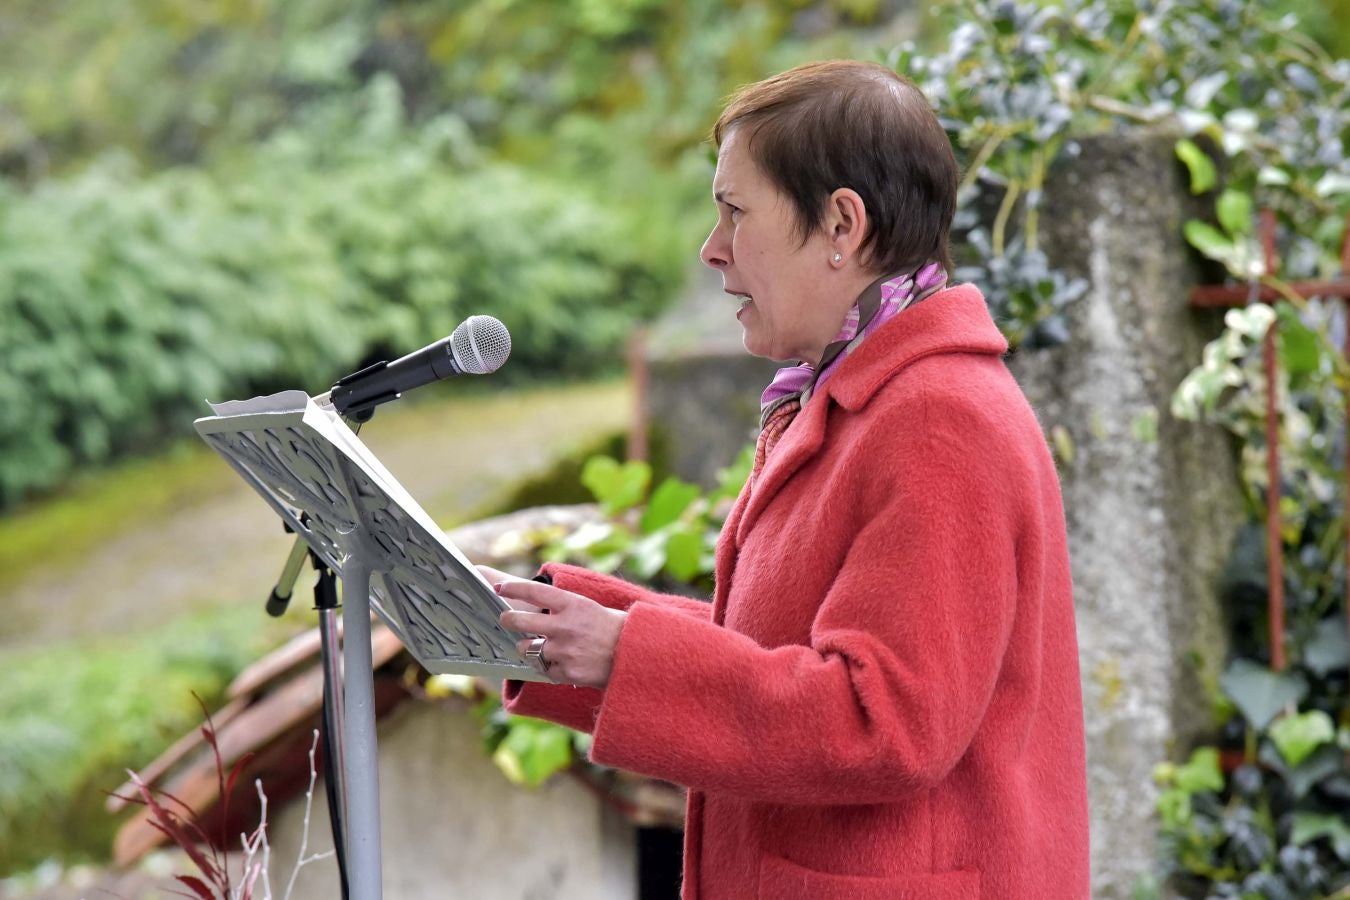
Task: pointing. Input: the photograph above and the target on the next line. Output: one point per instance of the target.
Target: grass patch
(75, 716)
(61, 529)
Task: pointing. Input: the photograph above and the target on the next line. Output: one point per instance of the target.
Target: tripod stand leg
(360, 764)
(334, 769)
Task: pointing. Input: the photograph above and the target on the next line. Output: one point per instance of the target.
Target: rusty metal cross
(1241, 295)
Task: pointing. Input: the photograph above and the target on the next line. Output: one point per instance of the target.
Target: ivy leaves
(670, 533)
(1260, 694)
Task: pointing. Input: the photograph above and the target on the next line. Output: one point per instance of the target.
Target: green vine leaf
(1332, 184)
(1209, 240)
(1234, 209)
(648, 555)
(731, 479)
(668, 502)
(684, 555)
(1327, 761)
(1174, 808)
(1296, 737)
(1272, 176)
(1250, 321)
(1329, 647)
(617, 487)
(1201, 772)
(533, 750)
(1308, 827)
(1299, 346)
(1259, 693)
(1203, 174)
(1200, 93)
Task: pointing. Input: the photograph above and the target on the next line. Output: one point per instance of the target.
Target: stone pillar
(1151, 511)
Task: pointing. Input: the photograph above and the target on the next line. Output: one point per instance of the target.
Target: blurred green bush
(74, 716)
(127, 299)
(337, 208)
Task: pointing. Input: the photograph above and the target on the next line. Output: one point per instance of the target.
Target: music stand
(327, 486)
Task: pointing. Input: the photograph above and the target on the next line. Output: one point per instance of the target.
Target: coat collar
(955, 320)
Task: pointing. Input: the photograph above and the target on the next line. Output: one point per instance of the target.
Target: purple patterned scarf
(879, 302)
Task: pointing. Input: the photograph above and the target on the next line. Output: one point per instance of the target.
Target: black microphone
(478, 346)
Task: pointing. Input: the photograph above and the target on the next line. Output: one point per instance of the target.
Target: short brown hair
(849, 124)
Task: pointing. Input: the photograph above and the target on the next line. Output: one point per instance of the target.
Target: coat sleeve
(905, 651)
(619, 594)
(573, 706)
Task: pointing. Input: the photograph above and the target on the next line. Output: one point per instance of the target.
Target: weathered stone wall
(453, 826)
(1150, 520)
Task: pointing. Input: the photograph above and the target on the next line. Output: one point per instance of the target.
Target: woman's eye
(735, 211)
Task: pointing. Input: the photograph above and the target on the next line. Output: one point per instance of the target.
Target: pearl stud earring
(838, 257)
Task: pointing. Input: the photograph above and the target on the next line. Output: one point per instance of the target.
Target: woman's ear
(846, 222)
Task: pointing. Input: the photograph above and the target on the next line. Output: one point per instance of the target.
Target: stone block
(1152, 503)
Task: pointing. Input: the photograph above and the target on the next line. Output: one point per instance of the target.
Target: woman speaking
(882, 700)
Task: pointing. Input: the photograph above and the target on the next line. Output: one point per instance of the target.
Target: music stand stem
(352, 777)
(360, 765)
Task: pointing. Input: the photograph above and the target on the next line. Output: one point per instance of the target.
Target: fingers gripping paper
(314, 471)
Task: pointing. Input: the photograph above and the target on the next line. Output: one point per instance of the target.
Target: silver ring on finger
(534, 654)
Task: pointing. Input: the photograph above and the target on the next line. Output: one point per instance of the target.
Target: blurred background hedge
(126, 297)
(217, 200)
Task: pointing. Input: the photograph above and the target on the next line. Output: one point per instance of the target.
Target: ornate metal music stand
(391, 557)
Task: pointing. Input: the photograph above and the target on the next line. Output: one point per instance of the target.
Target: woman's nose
(716, 252)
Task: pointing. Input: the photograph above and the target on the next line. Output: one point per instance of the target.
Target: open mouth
(745, 299)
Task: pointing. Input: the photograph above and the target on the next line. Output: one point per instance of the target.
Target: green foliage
(1308, 828)
(561, 484)
(126, 300)
(1265, 828)
(669, 534)
(1258, 693)
(130, 290)
(1254, 836)
(664, 539)
(175, 82)
(1019, 82)
(74, 717)
(1201, 167)
(528, 751)
(617, 487)
(1297, 736)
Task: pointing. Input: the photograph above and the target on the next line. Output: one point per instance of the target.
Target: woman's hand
(495, 577)
(580, 634)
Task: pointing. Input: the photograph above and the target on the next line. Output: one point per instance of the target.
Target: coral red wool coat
(882, 702)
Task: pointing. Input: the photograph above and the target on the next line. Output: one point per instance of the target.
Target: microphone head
(480, 345)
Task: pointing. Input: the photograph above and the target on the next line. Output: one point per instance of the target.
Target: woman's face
(786, 309)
